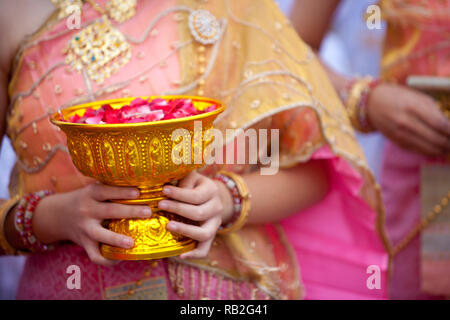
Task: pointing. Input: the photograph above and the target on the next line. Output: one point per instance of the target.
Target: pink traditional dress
(246, 54)
(417, 44)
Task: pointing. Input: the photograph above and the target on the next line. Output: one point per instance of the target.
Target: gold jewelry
(356, 103)
(100, 59)
(5, 208)
(236, 182)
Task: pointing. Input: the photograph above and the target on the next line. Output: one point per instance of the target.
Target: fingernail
(163, 205)
(127, 242)
(134, 194)
(172, 225)
(146, 212)
(167, 191)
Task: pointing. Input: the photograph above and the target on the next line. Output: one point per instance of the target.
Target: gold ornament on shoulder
(204, 27)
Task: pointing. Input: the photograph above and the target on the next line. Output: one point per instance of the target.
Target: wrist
(46, 226)
(240, 202)
(227, 201)
(372, 103)
(357, 103)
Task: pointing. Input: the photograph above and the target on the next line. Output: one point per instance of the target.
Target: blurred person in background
(415, 172)
(353, 50)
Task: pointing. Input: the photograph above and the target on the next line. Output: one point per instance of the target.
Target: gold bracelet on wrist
(356, 103)
(241, 201)
(5, 208)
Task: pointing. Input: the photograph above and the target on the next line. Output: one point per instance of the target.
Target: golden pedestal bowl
(140, 155)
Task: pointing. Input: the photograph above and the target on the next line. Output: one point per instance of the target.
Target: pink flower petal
(94, 120)
(138, 102)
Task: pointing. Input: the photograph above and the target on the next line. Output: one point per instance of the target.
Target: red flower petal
(89, 112)
(74, 118)
(138, 102)
(155, 115)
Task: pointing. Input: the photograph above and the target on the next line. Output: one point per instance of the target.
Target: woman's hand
(78, 216)
(410, 118)
(201, 199)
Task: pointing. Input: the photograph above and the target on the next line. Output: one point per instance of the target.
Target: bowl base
(114, 253)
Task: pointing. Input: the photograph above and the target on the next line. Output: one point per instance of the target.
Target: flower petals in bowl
(140, 110)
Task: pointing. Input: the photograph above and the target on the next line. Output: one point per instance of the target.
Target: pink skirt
(339, 252)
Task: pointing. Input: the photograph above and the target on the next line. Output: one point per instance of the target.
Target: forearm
(286, 193)
(340, 82)
(311, 19)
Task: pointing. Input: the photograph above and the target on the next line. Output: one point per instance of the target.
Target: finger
(430, 113)
(122, 211)
(193, 212)
(198, 195)
(93, 252)
(200, 252)
(430, 135)
(190, 180)
(200, 233)
(411, 141)
(103, 192)
(99, 234)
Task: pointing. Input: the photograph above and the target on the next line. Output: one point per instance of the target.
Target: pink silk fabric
(335, 240)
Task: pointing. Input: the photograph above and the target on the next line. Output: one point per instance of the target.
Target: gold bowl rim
(54, 118)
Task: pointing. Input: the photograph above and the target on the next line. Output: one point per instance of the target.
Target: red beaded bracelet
(241, 201)
(23, 221)
(231, 185)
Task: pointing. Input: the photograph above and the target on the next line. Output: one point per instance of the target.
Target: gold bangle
(353, 102)
(5, 208)
(245, 196)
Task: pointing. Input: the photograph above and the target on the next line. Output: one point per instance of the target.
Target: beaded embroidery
(64, 6)
(121, 10)
(99, 48)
